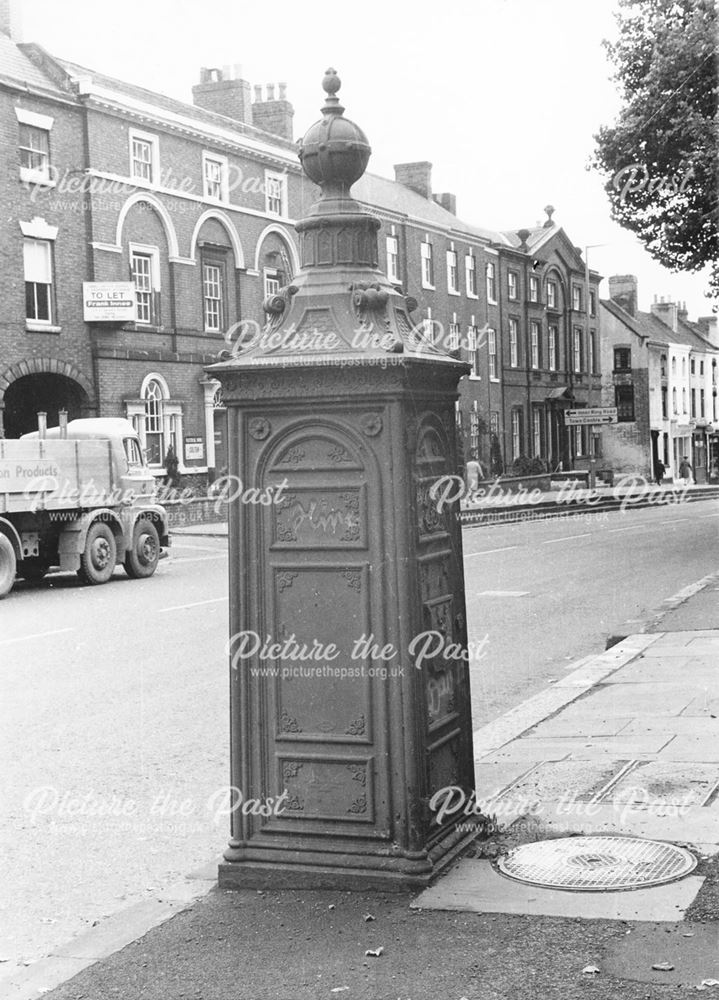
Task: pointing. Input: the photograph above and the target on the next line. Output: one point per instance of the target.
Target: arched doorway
(46, 392)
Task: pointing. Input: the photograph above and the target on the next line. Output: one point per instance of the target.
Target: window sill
(454, 291)
(29, 176)
(430, 288)
(474, 378)
(32, 327)
(472, 295)
(497, 380)
(144, 328)
(491, 302)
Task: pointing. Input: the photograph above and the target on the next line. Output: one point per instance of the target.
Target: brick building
(193, 206)
(550, 342)
(46, 355)
(660, 371)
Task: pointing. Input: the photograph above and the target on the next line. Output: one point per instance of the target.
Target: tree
(660, 156)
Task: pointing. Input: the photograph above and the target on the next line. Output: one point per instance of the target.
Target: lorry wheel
(8, 565)
(143, 557)
(97, 562)
(32, 569)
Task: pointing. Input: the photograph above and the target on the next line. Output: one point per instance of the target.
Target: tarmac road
(113, 700)
(543, 594)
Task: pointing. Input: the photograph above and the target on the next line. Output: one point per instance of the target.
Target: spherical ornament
(334, 151)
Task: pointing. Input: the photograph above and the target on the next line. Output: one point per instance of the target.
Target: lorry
(78, 496)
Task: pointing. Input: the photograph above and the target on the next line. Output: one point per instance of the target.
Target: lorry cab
(131, 476)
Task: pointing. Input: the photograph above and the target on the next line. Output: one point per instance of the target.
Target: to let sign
(591, 415)
(105, 301)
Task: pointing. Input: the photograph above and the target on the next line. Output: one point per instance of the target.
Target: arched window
(277, 271)
(154, 397)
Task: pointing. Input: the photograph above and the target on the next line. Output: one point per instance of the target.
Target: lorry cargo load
(78, 496)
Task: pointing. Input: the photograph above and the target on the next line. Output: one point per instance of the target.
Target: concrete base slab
(693, 950)
(475, 886)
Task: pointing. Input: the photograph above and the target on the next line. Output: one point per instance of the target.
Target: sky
(503, 97)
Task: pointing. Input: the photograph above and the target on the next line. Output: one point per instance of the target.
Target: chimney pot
(258, 91)
(270, 91)
(283, 91)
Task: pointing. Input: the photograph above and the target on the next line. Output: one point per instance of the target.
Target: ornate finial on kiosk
(334, 152)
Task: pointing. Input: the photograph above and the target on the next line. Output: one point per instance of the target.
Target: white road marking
(189, 559)
(632, 527)
(503, 593)
(675, 520)
(566, 538)
(200, 548)
(35, 635)
(486, 552)
(709, 515)
(194, 604)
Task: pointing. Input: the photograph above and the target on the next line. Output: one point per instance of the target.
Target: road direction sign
(591, 415)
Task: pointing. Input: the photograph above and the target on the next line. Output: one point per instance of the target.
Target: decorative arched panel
(320, 540)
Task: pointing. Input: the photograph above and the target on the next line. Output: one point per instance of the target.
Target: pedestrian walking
(473, 472)
(659, 470)
(685, 471)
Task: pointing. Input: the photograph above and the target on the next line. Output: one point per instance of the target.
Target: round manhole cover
(600, 864)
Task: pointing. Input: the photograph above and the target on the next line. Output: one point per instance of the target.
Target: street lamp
(594, 434)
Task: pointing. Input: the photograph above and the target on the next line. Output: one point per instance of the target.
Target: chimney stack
(274, 115)
(224, 92)
(708, 326)
(623, 289)
(667, 312)
(417, 176)
(447, 201)
(11, 19)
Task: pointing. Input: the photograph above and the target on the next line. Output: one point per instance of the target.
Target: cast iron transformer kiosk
(342, 399)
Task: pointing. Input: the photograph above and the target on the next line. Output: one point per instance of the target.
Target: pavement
(623, 743)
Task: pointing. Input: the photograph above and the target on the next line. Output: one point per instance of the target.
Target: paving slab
(702, 705)
(573, 721)
(659, 784)
(553, 781)
(699, 670)
(474, 885)
(643, 699)
(703, 726)
(492, 777)
(691, 948)
(692, 748)
(582, 748)
(694, 826)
